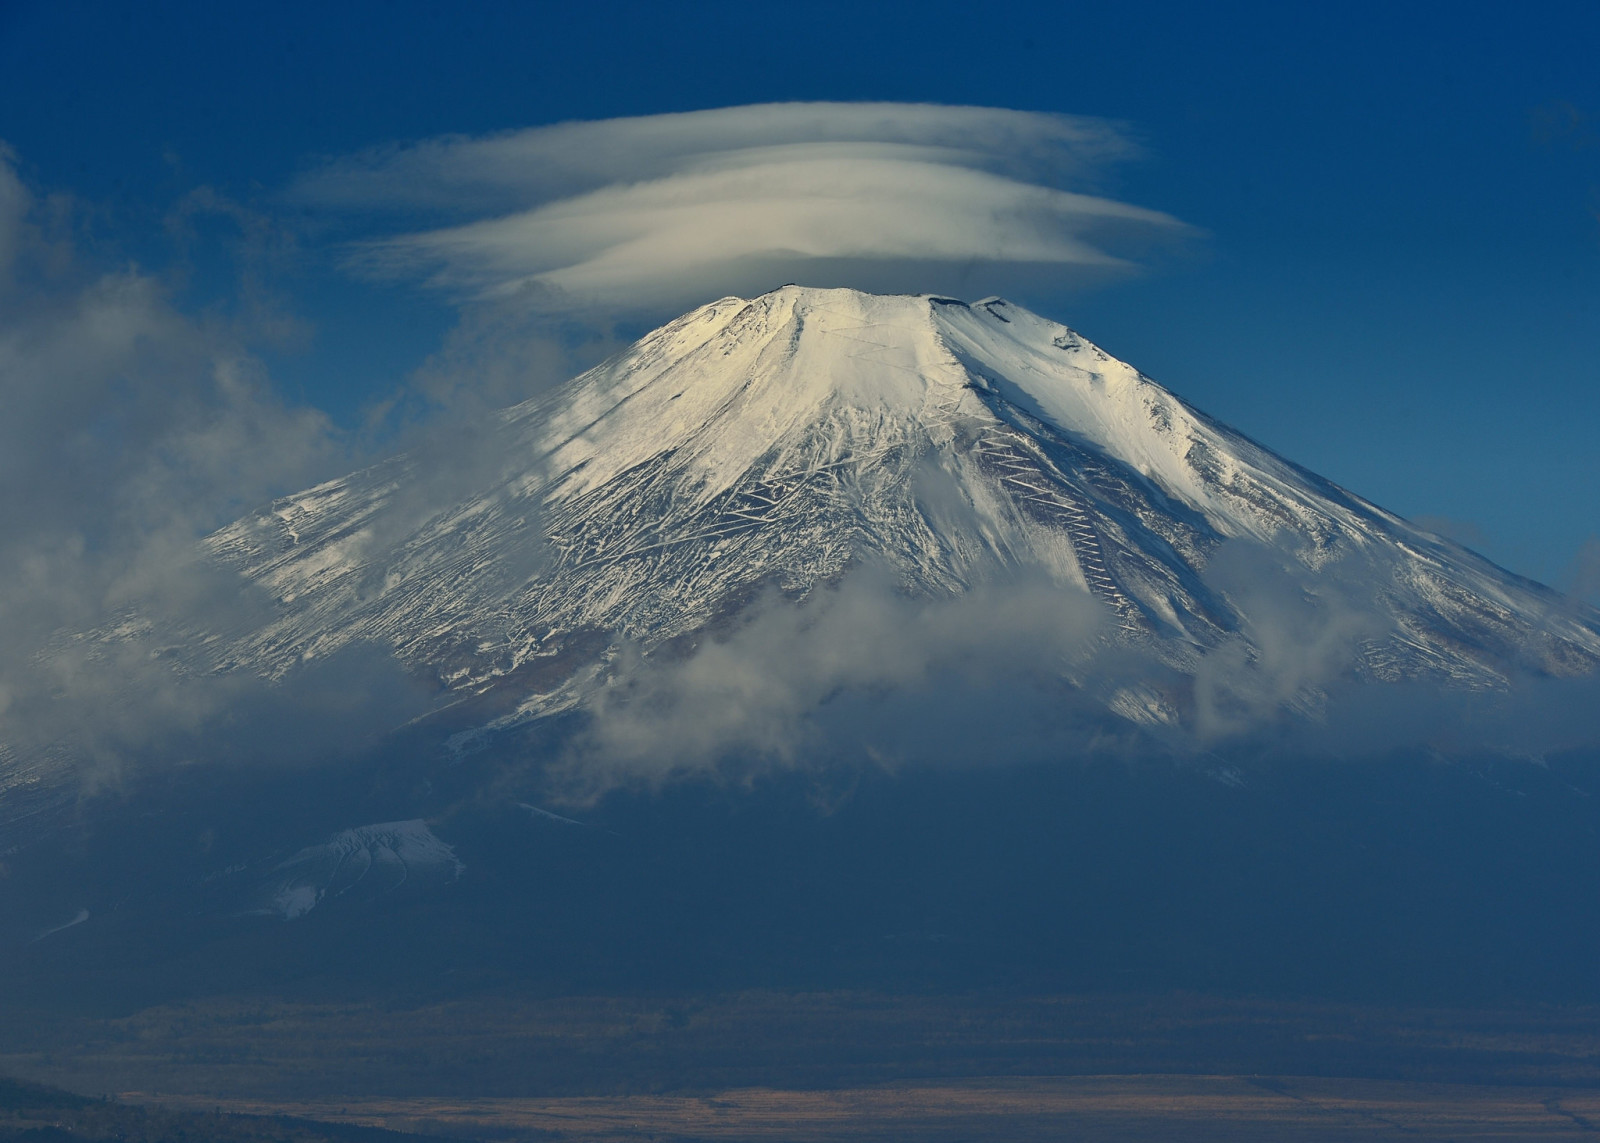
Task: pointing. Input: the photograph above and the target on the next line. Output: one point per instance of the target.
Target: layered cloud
(654, 213)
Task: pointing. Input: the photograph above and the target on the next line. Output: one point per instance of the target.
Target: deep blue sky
(1400, 287)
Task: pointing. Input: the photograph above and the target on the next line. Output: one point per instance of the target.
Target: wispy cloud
(664, 211)
(860, 663)
(127, 430)
(1023, 670)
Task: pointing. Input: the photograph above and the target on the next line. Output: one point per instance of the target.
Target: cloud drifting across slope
(1022, 671)
(127, 430)
(859, 670)
(659, 212)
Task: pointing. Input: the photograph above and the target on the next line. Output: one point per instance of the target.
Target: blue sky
(1394, 277)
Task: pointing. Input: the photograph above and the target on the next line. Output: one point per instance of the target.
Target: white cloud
(542, 163)
(859, 670)
(664, 211)
(127, 430)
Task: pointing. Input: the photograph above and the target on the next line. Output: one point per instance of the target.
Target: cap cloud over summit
(654, 213)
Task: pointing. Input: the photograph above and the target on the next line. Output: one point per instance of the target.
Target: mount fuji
(729, 483)
(779, 441)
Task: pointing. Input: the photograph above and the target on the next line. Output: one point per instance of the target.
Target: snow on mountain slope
(366, 862)
(781, 440)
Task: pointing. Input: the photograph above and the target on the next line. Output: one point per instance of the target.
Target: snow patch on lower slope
(366, 862)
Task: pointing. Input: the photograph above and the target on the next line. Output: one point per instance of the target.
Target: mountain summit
(780, 440)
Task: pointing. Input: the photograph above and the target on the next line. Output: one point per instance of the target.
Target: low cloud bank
(852, 662)
(1030, 671)
(658, 213)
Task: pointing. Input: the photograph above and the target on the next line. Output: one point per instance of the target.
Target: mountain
(782, 485)
(781, 440)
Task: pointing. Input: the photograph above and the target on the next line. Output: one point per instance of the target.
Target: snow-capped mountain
(781, 439)
(617, 546)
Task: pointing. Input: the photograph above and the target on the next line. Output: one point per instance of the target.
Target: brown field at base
(788, 1067)
(1087, 1108)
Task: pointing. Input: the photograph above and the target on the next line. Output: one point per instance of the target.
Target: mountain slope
(780, 440)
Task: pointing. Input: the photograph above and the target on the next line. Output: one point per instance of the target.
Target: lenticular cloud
(660, 211)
